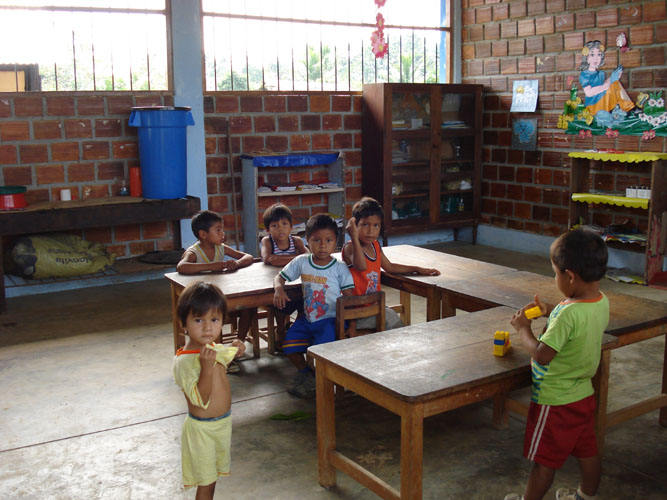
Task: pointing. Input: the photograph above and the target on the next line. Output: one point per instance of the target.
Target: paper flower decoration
(622, 42)
(583, 134)
(647, 135)
(380, 3)
(378, 45)
(379, 21)
(611, 133)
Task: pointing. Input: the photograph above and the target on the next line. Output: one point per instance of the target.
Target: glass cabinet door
(457, 154)
(410, 156)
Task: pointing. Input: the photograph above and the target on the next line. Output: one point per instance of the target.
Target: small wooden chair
(353, 307)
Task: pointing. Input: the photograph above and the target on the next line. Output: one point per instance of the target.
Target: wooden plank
(363, 476)
(637, 409)
(95, 212)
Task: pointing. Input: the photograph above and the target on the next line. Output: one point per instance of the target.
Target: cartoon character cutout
(373, 280)
(603, 95)
(314, 300)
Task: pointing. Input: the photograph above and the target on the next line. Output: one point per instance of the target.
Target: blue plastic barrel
(162, 150)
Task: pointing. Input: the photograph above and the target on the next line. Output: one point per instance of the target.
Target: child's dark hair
(581, 251)
(198, 298)
(320, 221)
(367, 207)
(276, 212)
(203, 220)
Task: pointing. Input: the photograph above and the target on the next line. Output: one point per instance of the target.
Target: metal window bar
(336, 81)
(84, 76)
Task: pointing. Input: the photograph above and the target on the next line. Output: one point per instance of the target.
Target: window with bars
(72, 45)
(322, 45)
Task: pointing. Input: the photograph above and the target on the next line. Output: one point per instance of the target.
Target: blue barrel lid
(161, 108)
(292, 160)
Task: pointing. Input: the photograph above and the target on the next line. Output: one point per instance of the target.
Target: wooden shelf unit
(580, 171)
(407, 170)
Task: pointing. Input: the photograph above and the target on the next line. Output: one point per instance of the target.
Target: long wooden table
(452, 268)
(248, 287)
(415, 372)
(631, 319)
(475, 286)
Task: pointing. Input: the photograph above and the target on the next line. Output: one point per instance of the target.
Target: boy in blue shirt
(323, 280)
(565, 358)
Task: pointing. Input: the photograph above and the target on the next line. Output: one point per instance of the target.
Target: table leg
(406, 315)
(3, 299)
(601, 387)
(412, 451)
(662, 419)
(176, 324)
(448, 310)
(432, 304)
(500, 411)
(326, 426)
(254, 334)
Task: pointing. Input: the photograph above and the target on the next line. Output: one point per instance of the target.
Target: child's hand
(207, 358)
(352, 228)
(280, 298)
(232, 265)
(240, 345)
(519, 319)
(540, 304)
(424, 271)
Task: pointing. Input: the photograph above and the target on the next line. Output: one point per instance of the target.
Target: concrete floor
(89, 410)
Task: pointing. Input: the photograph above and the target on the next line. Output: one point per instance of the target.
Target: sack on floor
(57, 256)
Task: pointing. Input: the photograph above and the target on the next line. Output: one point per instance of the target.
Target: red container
(135, 181)
(12, 197)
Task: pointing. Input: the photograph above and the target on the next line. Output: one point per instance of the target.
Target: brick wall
(542, 39)
(282, 123)
(79, 141)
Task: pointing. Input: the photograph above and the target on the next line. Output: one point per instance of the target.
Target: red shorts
(553, 433)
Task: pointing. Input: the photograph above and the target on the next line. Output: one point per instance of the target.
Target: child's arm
(539, 351)
(280, 298)
(403, 269)
(189, 265)
(280, 260)
(205, 384)
(242, 259)
(353, 254)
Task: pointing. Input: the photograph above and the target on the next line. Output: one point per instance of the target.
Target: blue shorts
(302, 334)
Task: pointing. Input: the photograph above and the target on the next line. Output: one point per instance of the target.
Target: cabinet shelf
(252, 165)
(429, 150)
(654, 247)
(606, 199)
(299, 192)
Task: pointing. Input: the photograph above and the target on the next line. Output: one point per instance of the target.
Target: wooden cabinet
(258, 170)
(422, 149)
(586, 165)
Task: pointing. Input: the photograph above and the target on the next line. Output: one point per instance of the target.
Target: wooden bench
(55, 216)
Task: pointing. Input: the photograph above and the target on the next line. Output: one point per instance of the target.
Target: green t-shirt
(574, 331)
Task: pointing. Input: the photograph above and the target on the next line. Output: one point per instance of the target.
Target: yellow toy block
(501, 343)
(533, 312)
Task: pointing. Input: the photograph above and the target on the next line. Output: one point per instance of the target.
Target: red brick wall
(542, 39)
(282, 123)
(79, 141)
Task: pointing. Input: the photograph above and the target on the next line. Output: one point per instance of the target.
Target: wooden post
(412, 450)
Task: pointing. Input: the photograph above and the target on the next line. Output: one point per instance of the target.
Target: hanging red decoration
(379, 46)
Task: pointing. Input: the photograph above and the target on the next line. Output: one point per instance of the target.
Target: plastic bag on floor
(57, 256)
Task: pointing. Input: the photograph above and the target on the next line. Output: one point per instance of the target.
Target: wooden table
(451, 267)
(631, 319)
(248, 287)
(415, 372)
(52, 216)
